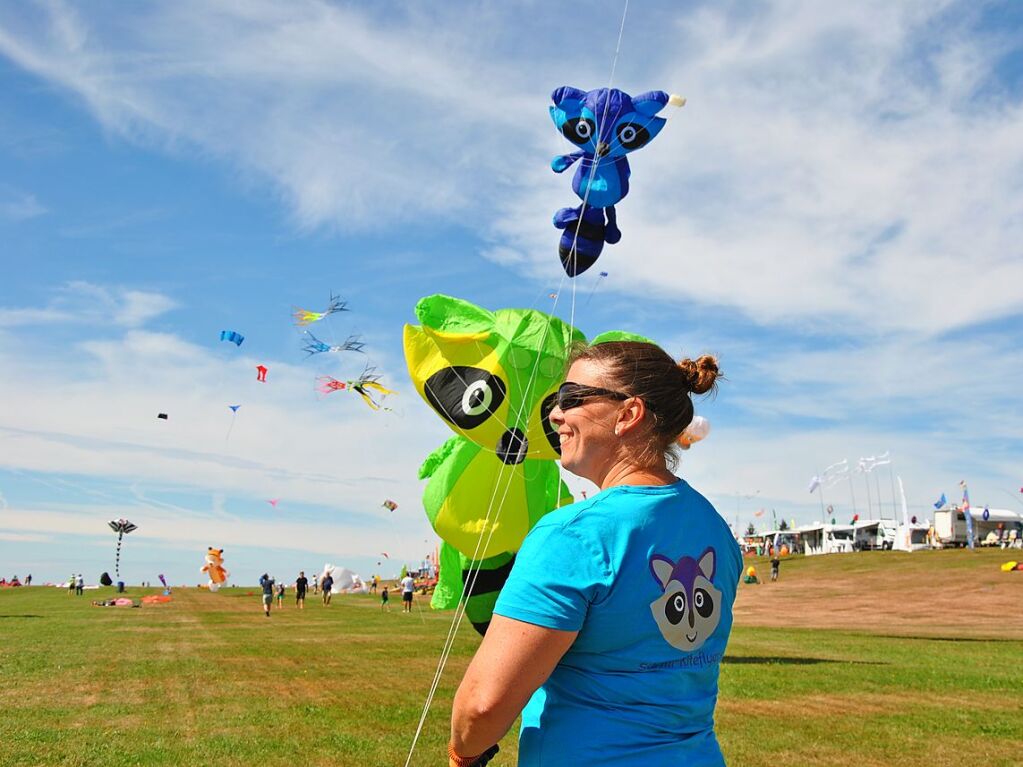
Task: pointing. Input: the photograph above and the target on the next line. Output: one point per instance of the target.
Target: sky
(835, 214)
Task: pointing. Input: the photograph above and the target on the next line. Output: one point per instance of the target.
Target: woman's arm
(512, 661)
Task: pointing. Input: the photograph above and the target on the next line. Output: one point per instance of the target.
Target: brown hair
(646, 371)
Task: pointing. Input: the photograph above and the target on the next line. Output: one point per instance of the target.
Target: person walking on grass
(326, 585)
(79, 585)
(408, 585)
(280, 596)
(775, 566)
(316, 587)
(383, 600)
(72, 585)
(267, 584)
(301, 584)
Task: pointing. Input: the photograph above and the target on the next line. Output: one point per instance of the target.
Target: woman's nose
(557, 416)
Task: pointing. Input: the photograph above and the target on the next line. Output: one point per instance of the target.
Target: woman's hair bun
(701, 374)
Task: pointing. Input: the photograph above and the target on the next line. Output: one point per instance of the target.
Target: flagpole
(891, 476)
(880, 508)
(821, 494)
(866, 481)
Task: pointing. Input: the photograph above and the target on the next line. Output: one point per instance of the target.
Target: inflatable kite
(232, 336)
(493, 378)
(214, 568)
(697, 429)
(122, 527)
(315, 346)
(389, 505)
(261, 371)
(606, 124)
(304, 317)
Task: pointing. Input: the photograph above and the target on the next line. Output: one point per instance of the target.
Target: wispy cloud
(87, 303)
(19, 206)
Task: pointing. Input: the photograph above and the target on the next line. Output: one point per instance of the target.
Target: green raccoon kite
(493, 377)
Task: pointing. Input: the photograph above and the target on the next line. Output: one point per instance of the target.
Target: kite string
(473, 574)
(596, 160)
(476, 564)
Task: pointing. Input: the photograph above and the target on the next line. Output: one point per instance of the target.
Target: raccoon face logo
(689, 609)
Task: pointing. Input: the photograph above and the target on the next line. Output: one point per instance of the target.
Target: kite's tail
(583, 236)
(486, 577)
(482, 581)
(117, 559)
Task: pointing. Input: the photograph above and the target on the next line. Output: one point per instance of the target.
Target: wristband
(454, 760)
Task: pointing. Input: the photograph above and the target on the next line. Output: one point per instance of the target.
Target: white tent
(345, 581)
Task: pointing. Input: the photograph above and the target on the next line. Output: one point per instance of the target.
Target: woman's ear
(630, 416)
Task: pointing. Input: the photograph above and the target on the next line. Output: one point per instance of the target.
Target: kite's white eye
(477, 398)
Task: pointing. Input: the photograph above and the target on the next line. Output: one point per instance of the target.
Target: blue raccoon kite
(601, 180)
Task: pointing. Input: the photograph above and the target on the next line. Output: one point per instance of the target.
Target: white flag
(815, 483)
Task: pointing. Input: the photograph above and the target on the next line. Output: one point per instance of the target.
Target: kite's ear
(567, 93)
(650, 103)
(618, 335)
(453, 315)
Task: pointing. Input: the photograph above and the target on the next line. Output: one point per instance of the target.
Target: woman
(609, 633)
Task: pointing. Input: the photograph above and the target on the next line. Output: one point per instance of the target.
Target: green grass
(208, 679)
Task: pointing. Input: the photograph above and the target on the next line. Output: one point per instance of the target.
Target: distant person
(301, 584)
(383, 600)
(267, 584)
(775, 567)
(28, 579)
(280, 596)
(326, 585)
(373, 584)
(408, 586)
(316, 588)
(72, 585)
(79, 585)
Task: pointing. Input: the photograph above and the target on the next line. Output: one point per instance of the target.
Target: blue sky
(835, 214)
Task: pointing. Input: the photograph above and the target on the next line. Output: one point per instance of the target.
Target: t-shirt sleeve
(555, 579)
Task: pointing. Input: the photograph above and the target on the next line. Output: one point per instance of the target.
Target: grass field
(866, 659)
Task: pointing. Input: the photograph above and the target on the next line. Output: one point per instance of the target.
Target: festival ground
(869, 659)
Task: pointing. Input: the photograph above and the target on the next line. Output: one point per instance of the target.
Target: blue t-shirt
(647, 575)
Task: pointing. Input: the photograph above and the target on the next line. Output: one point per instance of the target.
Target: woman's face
(589, 446)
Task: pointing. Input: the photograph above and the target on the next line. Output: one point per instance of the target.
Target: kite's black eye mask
(550, 430)
(632, 136)
(579, 130)
(465, 396)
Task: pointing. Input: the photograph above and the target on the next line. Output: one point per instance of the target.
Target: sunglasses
(571, 394)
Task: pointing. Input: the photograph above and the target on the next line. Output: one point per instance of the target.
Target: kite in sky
(234, 414)
(304, 317)
(315, 346)
(261, 371)
(122, 527)
(273, 501)
(389, 505)
(606, 124)
(368, 380)
(232, 336)
(162, 416)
